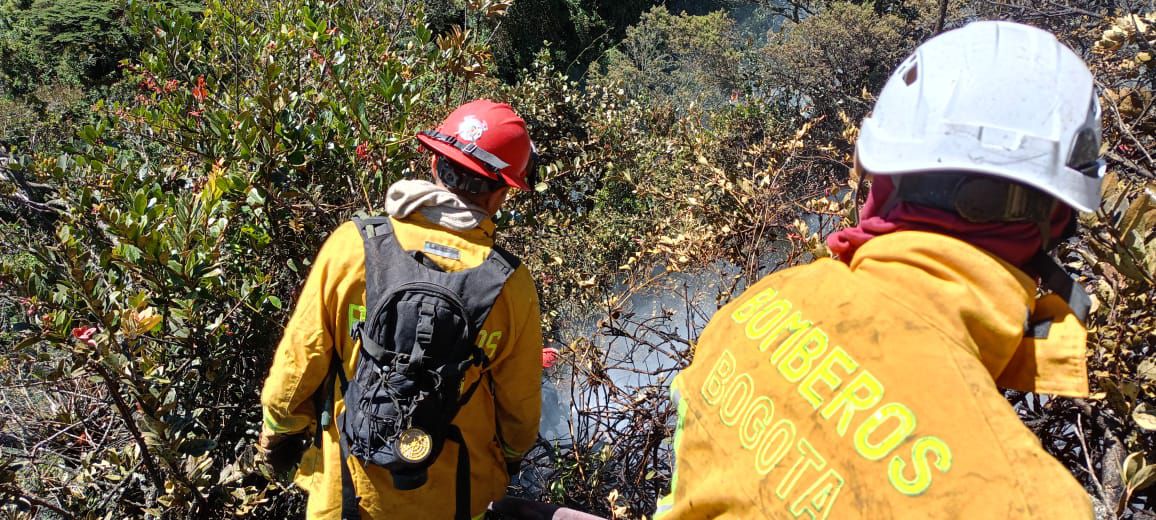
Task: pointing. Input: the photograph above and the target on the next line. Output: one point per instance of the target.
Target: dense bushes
(150, 259)
(183, 221)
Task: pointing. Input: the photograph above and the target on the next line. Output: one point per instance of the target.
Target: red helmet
(485, 137)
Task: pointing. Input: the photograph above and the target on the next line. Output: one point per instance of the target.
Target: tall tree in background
(57, 56)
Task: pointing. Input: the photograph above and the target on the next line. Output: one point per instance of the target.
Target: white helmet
(995, 98)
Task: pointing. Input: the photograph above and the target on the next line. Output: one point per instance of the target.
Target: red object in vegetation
(549, 357)
(363, 152)
(148, 84)
(32, 307)
(199, 91)
(85, 334)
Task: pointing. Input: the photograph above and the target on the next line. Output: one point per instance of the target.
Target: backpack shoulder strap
(506, 258)
(350, 501)
(371, 227)
(495, 270)
(383, 257)
(462, 478)
(485, 283)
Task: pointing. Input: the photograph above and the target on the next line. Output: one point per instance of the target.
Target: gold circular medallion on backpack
(414, 445)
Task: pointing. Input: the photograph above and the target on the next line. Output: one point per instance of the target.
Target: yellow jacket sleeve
(517, 370)
(303, 357)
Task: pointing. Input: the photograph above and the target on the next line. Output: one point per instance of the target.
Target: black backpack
(417, 341)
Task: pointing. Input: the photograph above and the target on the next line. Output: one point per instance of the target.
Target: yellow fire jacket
(497, 426)
(869, 391)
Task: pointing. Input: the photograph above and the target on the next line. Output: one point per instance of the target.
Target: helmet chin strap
(1045, 235)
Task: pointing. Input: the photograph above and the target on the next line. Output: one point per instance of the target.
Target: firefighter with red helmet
(480, 151)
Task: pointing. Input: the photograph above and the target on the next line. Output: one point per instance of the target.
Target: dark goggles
(976, 198)
(463, 179)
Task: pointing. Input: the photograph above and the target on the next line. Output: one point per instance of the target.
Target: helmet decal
(471, 128)
(486, 138)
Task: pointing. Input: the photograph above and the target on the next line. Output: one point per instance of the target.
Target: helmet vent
(911, 75)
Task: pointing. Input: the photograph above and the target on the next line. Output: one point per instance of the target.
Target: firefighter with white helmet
(868, 386)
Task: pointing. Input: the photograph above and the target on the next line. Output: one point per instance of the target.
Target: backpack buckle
(425, 322)
(423, 337)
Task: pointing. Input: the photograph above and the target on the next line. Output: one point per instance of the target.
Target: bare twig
(1127, 130)
(942, 16)
(1131, 164)
(1088, 458)
(126, 415)
(19, 494)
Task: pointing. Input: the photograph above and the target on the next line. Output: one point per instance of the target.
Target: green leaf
(138, 299)
(140, 203)
(1132, 464)
(297, 159)
(128, 252)
(1147, 370)
(1145, 416)
(1144, 477)
(255, 198)
(26, 342)
(274, 301)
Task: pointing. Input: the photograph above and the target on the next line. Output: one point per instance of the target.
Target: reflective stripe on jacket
(868, 391)
(497, 426)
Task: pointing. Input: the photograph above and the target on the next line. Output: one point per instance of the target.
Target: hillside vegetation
(171, 167)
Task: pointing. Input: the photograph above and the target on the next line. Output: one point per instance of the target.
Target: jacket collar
(483, 233)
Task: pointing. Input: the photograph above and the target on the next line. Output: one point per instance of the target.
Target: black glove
(280, 454)
(521, 509)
